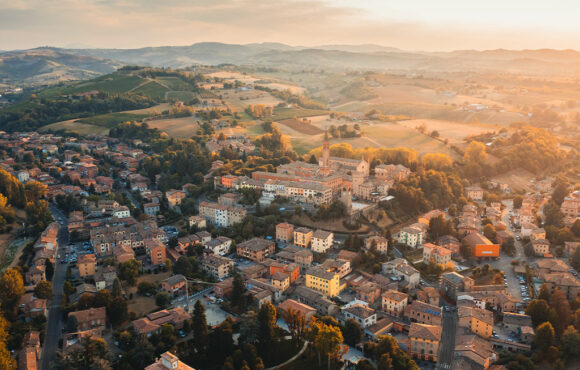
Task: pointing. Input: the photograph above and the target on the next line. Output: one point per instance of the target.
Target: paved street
(447, 340)
(54, 322)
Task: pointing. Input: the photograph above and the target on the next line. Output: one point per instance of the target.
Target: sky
(409, 24)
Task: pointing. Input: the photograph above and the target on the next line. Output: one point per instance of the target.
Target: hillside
(46, 66)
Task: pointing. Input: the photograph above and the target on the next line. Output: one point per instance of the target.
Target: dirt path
(147, 81)
(291, 359)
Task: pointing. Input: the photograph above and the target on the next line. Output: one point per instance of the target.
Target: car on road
(182, 334)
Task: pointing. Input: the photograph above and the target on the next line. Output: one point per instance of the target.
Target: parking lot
(73, 250)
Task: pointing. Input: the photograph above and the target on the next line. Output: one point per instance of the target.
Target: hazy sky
(406, 24)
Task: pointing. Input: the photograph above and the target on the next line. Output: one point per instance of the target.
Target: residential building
(280, 280)
(221, 216)
(478, 321)
(515, 322)
(541, 247)
(302, 237)
(86, 265)
(256, 249)
(411, 236)
(474, 193)
(174, 197)
(197, 221)
(450, 242)
(424, 313)
(565, 282)
(284, 232)
(452, 283)
(220, 245)
(174, 284)
(473, 352)
(151, 209)
(323, 280)
(394, 302)
(302, 309)
(424, 341)
(435, 254)
(428, 295)
(368, 292)
(361, 313)
(91, 318)
(217, 266)
(321, 241)
(168, 361)
(156, 251)
(400, 267)
(381, 244)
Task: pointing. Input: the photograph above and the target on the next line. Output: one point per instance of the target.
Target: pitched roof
(423, 331)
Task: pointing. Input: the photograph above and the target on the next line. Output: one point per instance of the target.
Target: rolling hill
(47, 65)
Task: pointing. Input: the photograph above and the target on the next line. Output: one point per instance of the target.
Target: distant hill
(46, 65)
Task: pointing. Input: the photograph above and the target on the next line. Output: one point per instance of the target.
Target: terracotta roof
(296, 306)
(423, 331)
(394, 295)
(91, 314)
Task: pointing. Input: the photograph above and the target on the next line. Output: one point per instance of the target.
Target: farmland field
(454, 131)
(377, 135)
(304, 127)
(286, 113)
(518, 179)
(241, 99)
(153, 90)
(180, 95)
(81, 128)
(184, 127)
(112, 84)
(111, 119)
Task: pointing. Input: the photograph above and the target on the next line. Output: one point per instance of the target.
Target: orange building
(227, 181)
(486, 250)
(156, 251)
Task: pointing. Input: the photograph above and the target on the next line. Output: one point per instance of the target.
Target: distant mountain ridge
(47, 64)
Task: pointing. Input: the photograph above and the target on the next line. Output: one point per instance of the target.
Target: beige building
(437, 254)
(284, 232)
(218, 266)
(221, 216)
(379, 242)
(394, 302)
(424, 341)
(87, 264)
(302, 237)
(322, 241)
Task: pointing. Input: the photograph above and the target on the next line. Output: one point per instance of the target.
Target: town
(147, 254)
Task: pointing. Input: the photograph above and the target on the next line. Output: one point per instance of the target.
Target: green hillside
(128, 88)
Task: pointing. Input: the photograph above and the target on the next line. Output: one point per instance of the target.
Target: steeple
(325, 150)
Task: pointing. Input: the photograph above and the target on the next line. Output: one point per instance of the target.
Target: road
(54, 321)
(447, 340)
